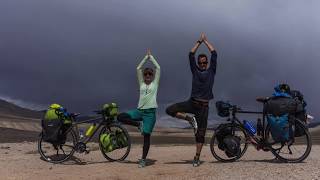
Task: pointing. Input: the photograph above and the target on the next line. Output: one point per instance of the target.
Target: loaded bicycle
(239, 134)
(114, 140)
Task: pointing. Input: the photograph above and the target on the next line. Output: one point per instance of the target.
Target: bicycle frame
(235, 120)
(103, 121)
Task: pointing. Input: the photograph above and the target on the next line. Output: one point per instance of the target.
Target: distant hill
(10, 109)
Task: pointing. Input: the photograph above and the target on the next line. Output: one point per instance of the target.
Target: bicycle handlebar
(234, 109)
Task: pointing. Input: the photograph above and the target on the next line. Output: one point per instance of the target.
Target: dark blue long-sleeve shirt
(202, 81)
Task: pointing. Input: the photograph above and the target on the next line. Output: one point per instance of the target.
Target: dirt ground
(22, 161)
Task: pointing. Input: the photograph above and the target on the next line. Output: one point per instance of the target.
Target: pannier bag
(232, 146)
(223, 108)
(279, 126)
(281, 113)
(301, 113)
(55, 123)
(107, 142)
(278, 110)
(121, 138)
(221, 133)
(113, 141)
(281, 105)
(227, 142)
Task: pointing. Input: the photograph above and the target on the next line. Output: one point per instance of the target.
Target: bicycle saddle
(262, 99)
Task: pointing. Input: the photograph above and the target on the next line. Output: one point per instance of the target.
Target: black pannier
(232, 146)
(301, 113)
(279, 106)
(52, 130)
(55, 123)
(227, 142)
(223, 108)
(221, 133)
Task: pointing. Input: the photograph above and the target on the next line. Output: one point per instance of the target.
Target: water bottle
(90, 130)
(81, 133)
(249, 127)
(259, 127)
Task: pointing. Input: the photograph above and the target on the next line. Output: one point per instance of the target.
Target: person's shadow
(149, 162)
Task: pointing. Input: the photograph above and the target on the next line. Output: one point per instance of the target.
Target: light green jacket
(148, 93)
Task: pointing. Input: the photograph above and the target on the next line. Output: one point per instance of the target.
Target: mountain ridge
(9, 109)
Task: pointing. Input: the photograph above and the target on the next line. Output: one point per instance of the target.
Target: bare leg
(196, 160)
(199, 148)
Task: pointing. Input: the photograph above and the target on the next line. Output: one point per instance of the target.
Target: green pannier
(113, 141)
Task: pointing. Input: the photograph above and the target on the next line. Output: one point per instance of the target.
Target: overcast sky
(83, 53)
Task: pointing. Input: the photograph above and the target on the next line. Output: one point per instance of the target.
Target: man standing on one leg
(202, 83)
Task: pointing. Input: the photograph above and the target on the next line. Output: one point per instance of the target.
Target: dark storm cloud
(84, 53)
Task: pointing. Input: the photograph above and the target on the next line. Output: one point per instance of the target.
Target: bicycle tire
(276, 152)
(50, 158)
(212, 144)
(106, 154)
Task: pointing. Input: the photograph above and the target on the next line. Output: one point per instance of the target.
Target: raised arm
(157, 74)
(139, 69)
(196, 46)
(213, 59)
(208, 44)
(192, 60)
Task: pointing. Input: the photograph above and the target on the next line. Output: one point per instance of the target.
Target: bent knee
(171, 111)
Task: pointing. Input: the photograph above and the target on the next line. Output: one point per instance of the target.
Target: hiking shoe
(142, 163)
(196, 161)
(193, 123)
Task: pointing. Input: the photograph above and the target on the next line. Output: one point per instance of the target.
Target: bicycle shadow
(76, 161)
(183, 162)
(272, 161)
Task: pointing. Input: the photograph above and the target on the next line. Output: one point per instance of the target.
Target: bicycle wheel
(57, 153)
(295, 150)
(119, 153)
(219, 153)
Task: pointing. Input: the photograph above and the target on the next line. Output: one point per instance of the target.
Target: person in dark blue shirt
(202, 82)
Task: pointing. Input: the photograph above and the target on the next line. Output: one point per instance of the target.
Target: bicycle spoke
(68, 146)
(62, 150)
(57, 153)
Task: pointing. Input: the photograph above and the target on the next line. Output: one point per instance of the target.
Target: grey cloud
(83, 53)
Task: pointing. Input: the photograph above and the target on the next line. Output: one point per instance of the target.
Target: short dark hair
(201, 56)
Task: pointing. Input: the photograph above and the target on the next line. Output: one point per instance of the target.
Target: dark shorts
(193, 107)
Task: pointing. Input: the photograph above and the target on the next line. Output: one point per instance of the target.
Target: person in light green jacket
(144, 117)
